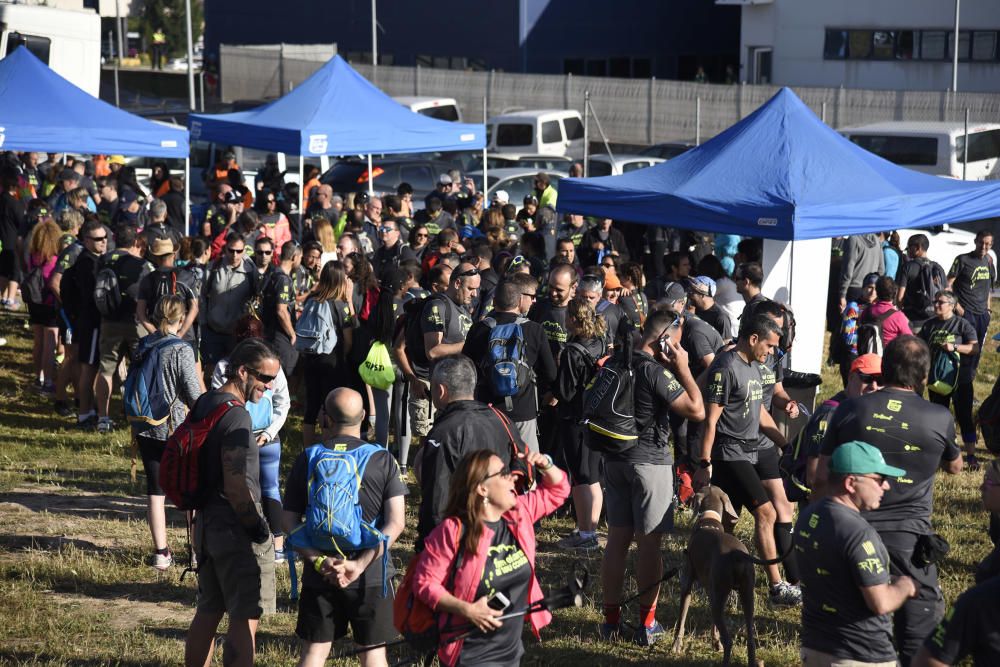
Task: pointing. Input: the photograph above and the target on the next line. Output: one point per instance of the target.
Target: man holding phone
(640, 479)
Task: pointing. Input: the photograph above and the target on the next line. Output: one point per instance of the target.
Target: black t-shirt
(507, 571)
(912, 434)
(11, 220)
(380, 482)
(974, 276)
(909, 277)
(279, 292)
(537, 355)
(235, 429)
(78, 291)
(971, 627)
(718, 319)
(130, 271)
(655, 389)
(612, 315)
(553, 321)
(164, 281)
(736, 385)
(842, 553)
(699, 339)
(957, 330)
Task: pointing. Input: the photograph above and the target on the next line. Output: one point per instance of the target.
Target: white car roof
(918, 128)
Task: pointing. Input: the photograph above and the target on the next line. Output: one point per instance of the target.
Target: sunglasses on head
(468, 273)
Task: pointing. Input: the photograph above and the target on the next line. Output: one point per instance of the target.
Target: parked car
(537, 132)
(442, 108)
(933, 148)
(946, 243)
(503, 161)
(605, 165)
(515, 182)
(667, 150)
(351, 175)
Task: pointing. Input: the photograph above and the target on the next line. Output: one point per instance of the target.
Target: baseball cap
(117, 159)
(860, 458)
(500, 196)
(231, 197)
(68, 174)
(703, 285)
(444, 179)
(530, 199)
(674, 292)
(869, 364)
(611, 282)
(127, 196)
(161, 247)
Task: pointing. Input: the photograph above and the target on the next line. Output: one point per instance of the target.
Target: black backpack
(870, 337)
(930, 280)
(609, 404)
(33, 288)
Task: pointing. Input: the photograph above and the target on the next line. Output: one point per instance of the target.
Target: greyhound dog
(720, 562)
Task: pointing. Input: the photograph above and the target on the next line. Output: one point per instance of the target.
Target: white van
(442, 108)
(67, 40)
(934, 148)
(538, 132)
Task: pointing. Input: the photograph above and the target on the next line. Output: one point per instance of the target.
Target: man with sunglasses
(849, 590)
(231, 284)
(916, 435)
(391, 251)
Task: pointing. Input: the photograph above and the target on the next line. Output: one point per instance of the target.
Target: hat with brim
(860, 458)
(611, 281)
(674, 292)
(117, 159)
(161, 247)
(869, 364)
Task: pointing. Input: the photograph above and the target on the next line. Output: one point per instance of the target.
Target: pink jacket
(896, 324)
(440, 549)
(280, 233)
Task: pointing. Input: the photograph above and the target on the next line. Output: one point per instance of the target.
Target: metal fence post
(822, 116)
(651, 111)
(586, 133)
(416, 80)
(567, 81)
(697, 121)
(489, 88)
(281, 70)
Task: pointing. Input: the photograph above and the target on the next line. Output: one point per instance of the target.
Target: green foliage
(169, 16)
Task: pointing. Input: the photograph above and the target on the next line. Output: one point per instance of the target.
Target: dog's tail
(771, 561)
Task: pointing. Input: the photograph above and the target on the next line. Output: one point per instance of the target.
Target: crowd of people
(465, 337)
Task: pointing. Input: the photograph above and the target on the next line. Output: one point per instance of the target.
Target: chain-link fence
(631, 111)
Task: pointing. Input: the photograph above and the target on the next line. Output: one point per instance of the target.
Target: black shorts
(8, 264)
(88, 341)
(585, 465)
(767, 463)
(151, 451)
(43, 315)
(324, 614)
(740, 481)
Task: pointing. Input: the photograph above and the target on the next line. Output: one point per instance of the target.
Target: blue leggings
(270, 491)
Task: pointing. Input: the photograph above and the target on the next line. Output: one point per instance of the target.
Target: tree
(168, 16)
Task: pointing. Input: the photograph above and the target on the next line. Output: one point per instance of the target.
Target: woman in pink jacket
(479, 564)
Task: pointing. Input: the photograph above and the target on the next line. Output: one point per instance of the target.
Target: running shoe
(784, 594)
(162, 562)
(649, 634)
(105, 425)
(611, 632)
(88, 424)
(577, 542)
(63, 409)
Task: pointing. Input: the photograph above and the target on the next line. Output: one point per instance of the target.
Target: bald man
(336, 591)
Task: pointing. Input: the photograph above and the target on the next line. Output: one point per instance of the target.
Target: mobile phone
(498, 601)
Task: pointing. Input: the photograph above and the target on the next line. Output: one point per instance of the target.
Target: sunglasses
(235, 251)
(942, 302)
(386, 229)
(265, 252)
(878, 479)
(867, 378)
(421, 236)
(503, 472)
(468, 273)
(98, 239)
(517, 260)
(266, 379)
(530, 295)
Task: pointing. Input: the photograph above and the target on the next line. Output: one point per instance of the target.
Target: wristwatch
(548, 463)
(704, 464)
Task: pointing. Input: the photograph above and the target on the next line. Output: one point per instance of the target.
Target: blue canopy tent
(781, 173)
(336, 111)
(41, 111)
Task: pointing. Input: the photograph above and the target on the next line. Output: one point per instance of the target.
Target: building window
(642, 68)
(964, 39)
(883, 44)
(984, 45)
(932, 44)
(835, 47)
(906, 44)
(620, 67)
(597, 68)
(859, 44)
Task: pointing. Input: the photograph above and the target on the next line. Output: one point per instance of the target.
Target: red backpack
(181, 468)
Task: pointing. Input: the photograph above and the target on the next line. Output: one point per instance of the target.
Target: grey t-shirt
(842, 553)
(736, 385)
(771, 373)
(699, 338)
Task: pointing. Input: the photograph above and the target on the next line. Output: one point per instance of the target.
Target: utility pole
(190, 54)
(374, 44)
(954, 50)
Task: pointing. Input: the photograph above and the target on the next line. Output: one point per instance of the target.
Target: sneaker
(576, 542)
(279, 556)
(162, 562)
(649, 635)
(784, 594)
(105, 425)
(88, 424)
(63, 409)
(971, 462)
(3, 341)
(610, 632)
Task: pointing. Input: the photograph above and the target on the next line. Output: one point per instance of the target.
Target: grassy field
(75, 588)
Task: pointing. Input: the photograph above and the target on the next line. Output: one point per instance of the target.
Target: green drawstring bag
(376, 370)
(944, 372)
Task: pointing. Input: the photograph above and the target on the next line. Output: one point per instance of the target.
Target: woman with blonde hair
(577, 364)
(493, 529)
(181, 388)
(323, 231)
(43, 252)
(324, 372)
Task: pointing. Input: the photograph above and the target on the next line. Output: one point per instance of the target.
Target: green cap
(860, 458)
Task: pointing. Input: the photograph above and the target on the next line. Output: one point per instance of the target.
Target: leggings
(270, 464)
(382, 398)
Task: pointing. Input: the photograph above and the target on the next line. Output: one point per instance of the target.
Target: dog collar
(711, 514)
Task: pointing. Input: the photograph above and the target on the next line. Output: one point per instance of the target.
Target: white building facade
(874, 44)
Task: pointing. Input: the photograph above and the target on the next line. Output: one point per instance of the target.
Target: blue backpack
(315, 331)
(506, 370)
(144, 396)
(333, 521)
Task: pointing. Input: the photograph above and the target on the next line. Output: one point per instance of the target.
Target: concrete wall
(796, 30)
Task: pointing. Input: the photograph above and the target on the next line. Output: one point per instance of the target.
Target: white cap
(444, 179)
(500, 196)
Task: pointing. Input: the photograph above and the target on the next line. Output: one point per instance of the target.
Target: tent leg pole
(302, 186)
(187, 195)
(371, 178)
(485, 166)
